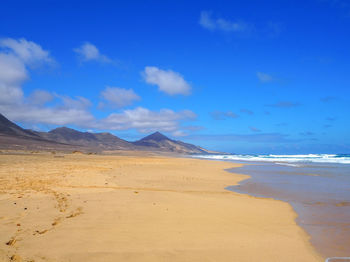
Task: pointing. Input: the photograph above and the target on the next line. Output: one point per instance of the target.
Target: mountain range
(13, 136)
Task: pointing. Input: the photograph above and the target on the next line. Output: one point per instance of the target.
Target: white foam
(314, 158)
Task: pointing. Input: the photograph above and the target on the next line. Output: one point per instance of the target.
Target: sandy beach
(77, 207)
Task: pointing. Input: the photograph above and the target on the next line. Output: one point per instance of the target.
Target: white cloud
(12, 74)
(40, 97)
(89, 52)
(119, 97)
(167, 81)
(76, 113)
(28, 52)
(12, 70)
(49, 115)
(264, 78)
(145, 120)
(221, 24)
(15, 57)
(65, 111)
(18, 56)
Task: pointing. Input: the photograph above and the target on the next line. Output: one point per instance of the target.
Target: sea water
(317, 187)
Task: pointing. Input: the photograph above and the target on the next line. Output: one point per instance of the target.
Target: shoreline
(132, 208)
(327, 232)
(296, 214)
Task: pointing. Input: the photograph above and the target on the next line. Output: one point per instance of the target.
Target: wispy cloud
(89, 52)
(328, 99)
(282, 124)
(254, 129)
(168, 81)
(251, 138)
(118, 97)
(344, 4)
(273, 29)
(285, 104)
(220, 115)
(193, 128)
(307, 133)
(331, 119)
(264, 78)
(208, 22)
(246, 111)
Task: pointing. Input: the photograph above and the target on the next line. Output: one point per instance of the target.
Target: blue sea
(316, 185)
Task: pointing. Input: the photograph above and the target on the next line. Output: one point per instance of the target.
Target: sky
(243, 77)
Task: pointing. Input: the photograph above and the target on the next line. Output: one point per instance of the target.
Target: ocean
(316, 185)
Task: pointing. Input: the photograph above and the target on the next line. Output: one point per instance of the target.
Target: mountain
(163, 143)
(9, 128)
(70, 136)
(13, 136)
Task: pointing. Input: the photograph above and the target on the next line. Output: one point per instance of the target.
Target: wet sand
(319, 193)
(77, 207)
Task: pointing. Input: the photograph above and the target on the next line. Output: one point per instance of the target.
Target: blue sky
(237, 76)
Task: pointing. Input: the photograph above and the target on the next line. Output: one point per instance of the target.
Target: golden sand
(132, 208)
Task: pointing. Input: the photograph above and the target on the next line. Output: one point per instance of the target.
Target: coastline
(132, 208)
(233, 188)
(314, 205)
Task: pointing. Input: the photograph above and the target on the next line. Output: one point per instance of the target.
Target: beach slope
(77, 207)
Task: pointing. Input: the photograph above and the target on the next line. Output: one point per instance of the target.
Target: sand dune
(132, 208)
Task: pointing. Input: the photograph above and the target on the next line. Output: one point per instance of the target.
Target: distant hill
(9, 128)
(13, 136)
(70, 136)
(163, 143)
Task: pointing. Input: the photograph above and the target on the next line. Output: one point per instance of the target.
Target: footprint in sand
(11, 242)
(75, 213)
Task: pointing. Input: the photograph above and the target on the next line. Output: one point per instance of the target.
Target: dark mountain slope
(13, 136)
(9, 128)
(101, 140)
(163, 143)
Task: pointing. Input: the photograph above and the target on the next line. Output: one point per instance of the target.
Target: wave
(313, 158)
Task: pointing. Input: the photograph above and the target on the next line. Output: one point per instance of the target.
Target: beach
(138, 207)
(318, 192)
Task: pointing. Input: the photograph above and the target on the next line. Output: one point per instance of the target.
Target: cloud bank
(119, 97)
(19, 57)
(145, 120)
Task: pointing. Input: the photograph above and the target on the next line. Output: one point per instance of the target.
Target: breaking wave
(313, 158)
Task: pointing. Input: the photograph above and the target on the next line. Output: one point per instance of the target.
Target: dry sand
(131, 208)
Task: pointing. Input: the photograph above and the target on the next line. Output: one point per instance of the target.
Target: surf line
(329, 259)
